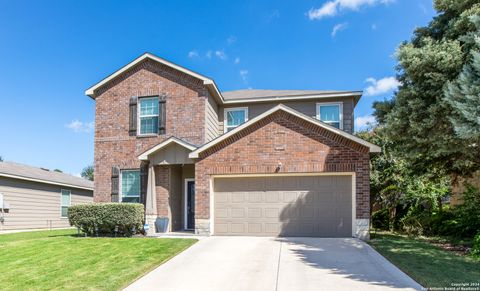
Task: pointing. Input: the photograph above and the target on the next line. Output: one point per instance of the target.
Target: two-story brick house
(248, 162)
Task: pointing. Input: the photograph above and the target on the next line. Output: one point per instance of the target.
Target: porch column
(151, 200)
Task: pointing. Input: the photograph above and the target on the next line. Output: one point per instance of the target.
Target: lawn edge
(148, 270)
(400, 268)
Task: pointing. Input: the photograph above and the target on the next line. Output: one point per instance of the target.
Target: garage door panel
(272, 196)
(238, 212)
(255, 197)
(289, 196)
(255, 212)
(236, 197)
(287, 206)
(221, 213)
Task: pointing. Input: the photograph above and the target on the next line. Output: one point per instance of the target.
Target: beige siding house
(35, 198)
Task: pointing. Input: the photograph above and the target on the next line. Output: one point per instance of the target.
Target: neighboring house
(248, 162)
(32, 198)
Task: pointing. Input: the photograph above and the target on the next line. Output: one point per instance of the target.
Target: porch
(170, 188)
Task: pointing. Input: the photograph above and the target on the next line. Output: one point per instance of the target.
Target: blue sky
(51, 51)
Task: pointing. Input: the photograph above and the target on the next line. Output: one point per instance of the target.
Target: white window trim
(120, 190)
(340, 109)
(226, 110)
(69, 201)
(139, 130)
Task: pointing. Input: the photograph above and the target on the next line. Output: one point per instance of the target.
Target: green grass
(427, 264)
(58, 260)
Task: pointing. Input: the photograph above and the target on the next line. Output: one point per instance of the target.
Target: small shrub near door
(123, 219)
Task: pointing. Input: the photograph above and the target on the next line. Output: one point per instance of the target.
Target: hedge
(123, 219)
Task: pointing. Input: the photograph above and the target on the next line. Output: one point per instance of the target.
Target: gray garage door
(319, 206)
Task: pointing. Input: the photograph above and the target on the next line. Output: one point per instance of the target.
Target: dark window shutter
(132, 128)
(162, 115)
(115, 184)
(143, 182)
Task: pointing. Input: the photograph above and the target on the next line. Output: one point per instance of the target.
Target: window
(234, 117)
(130, 189)
(65, 202)
(330, 113)
(148, 115)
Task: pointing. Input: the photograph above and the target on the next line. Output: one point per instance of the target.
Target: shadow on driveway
(349, 259)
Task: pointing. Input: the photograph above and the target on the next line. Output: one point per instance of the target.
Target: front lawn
(427, 264)
(46, 260)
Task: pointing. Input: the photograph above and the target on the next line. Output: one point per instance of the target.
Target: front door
(190, 204)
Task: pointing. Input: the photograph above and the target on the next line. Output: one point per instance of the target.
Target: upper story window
(148, 115)
(130, 186)
(330, 113)
(234, 117)
(65, 202)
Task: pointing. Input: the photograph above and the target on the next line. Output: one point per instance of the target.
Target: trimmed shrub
(124, 219)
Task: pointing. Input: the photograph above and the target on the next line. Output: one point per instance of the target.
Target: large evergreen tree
(463, 94)
(419, 123)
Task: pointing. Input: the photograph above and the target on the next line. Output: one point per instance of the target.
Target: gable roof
(229, 97)
(206, 81)
(34, 174)
(172, 139)
(257, 95)
(373, 148)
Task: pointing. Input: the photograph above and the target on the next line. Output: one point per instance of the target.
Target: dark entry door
(190, 204)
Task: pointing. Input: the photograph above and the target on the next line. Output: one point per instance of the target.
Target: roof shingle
(257, 93)
(50, 177)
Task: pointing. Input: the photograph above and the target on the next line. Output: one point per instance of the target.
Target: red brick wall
(185, 102)
(300, 146)
(162, 188)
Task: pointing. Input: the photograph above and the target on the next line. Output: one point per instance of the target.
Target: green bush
(123, 219)
(467, 216)
(380, 219)
(476, 246)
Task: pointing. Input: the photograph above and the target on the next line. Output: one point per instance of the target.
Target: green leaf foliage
(420, 122)
(87, 172)
(107, 218)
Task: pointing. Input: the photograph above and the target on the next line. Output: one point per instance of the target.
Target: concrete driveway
(277, 264)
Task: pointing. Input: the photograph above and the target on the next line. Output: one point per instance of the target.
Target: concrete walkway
(277, 264)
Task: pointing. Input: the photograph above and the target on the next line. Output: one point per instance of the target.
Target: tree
(87, 172)
(382, 109)
(1, 159)
(58, 171)
(463, 95)
(419, 122)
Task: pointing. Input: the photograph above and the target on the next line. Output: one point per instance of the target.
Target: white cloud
(209, 54)
(231, 39)
(78, 126)
(221, 55)
(237, 61)
(339, 27)
(244, 75)
(328, 9)
(382, 86)
(332, 8)
(364, 122)
(192, 54)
